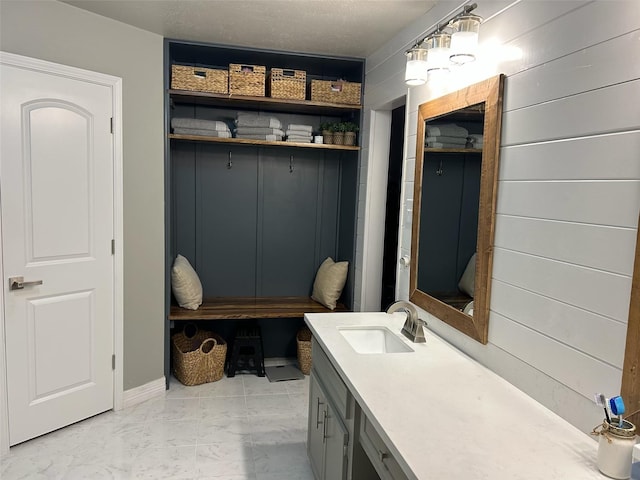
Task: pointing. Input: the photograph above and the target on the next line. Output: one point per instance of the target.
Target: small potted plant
(338, 133)
(327, 132)
(350, 130)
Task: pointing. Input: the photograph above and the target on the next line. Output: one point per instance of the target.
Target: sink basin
(374, 340)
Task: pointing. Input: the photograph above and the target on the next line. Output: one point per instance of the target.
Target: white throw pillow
(329, 282)
(468, 280)
(185, 284)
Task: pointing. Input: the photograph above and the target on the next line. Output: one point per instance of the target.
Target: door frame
(115, 84)
(376, 200)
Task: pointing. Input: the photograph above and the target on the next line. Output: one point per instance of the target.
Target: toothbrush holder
(615, 447)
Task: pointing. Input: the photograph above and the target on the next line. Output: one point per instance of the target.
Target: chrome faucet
(413, 326)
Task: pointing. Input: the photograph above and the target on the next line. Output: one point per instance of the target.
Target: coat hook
(229, 162)
(291, 164)
(439, 171)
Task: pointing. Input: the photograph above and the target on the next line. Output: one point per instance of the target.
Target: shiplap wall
(568, 194)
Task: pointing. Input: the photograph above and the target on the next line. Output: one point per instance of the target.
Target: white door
(57, 207)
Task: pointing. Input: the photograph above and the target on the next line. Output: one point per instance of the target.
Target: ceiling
(354, 28)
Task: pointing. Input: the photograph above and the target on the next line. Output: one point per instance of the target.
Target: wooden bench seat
(245, 308)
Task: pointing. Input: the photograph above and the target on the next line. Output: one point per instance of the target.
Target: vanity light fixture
(416, 72)
(438, 48)
(453, 41)
(464, 39)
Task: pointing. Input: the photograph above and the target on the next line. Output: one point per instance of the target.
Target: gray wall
(63, 34)
(568, 194)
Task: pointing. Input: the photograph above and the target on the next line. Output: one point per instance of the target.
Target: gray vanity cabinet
(330, 434)
(379, 454)
(328, 438)
(315, 431)
(342, 444)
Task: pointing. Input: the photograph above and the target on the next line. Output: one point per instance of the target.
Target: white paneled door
(57, 206)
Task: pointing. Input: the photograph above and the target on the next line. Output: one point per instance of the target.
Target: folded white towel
(299, 133)
(304, 128)
(447, 129)
(259, 131)
(203, 133)
(270, 138)
(199, 124)
(253, 120)
(445, 145)
(444, 139)
(476, 138)
(298, 138)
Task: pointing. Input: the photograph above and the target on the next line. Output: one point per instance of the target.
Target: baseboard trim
(137, 395)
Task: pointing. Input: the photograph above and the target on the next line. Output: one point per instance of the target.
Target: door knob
(18, 283)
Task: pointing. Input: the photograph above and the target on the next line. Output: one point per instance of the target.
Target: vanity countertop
(443, 415)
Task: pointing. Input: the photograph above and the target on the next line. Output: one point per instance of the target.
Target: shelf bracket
(229, 162)
(291, 164)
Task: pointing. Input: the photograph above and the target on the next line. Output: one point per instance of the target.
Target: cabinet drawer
(375, 448)
(330, 379)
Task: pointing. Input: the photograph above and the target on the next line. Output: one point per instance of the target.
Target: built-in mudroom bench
(256, 217)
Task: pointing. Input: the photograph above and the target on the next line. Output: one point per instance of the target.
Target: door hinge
(113, 246)
(111, 124)
(113, 362)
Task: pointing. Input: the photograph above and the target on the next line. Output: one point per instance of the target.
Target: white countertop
(446, 417)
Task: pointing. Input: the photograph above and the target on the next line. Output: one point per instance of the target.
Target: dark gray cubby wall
(256, 228)
(450, 208)
(248, 224)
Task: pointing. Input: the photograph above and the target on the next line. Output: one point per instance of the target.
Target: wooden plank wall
(568, 197)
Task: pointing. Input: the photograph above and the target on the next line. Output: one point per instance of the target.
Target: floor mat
(283, 372)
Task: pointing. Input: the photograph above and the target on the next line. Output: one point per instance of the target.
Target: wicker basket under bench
(251, 308)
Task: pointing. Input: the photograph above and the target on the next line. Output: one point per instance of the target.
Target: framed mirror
(454, 203)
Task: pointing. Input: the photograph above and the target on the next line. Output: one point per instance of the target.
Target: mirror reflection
(454, 205)
(449, 206)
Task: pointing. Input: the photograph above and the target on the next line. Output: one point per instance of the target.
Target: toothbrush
(617, 408)
(601, 401)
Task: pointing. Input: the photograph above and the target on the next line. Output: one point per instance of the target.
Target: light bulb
(464, 39)
(438, 51)
(416, 70)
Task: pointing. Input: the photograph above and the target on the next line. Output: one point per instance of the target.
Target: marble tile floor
(241, 428)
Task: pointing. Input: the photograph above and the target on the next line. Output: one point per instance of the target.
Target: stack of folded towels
(299, 133)
(196, 126)
(258, 127)
(476, 140)
(447, 135)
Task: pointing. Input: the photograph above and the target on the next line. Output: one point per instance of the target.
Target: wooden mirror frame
(490, 93)
(630, 389)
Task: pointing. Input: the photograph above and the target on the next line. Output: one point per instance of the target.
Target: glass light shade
(464, 39)
(438, 52)
(416, 71)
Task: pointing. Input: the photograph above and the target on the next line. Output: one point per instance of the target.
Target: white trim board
(115, 84)
(136, 395)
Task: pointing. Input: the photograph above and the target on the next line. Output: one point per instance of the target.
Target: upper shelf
(261, 143)
(262, 103)
(453, 150)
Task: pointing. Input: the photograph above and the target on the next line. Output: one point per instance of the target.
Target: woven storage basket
(246, 80)
(199, 79)
(349, 138)
(290, 84)
(303, 338)
(198, 358)
(335, 92)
